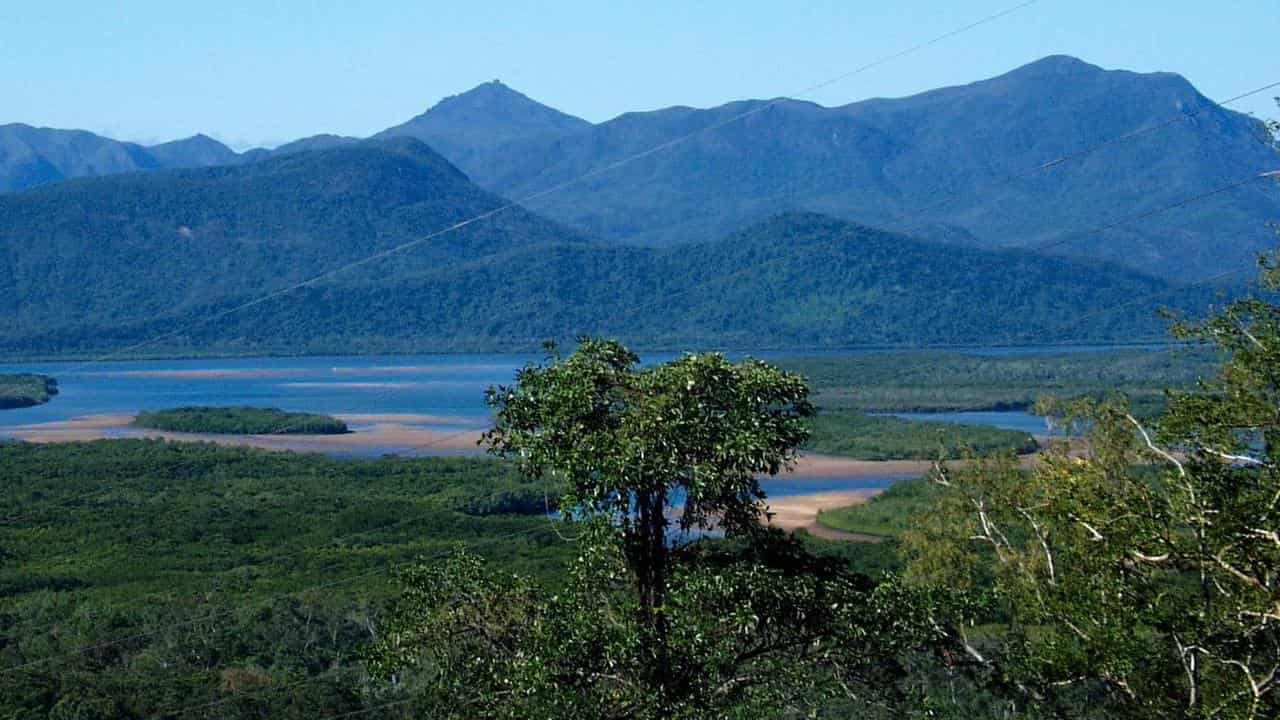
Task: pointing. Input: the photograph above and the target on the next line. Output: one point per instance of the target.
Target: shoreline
(800, 512)
(394, 433)
(448, 432)
(107, 356)
(389, 432)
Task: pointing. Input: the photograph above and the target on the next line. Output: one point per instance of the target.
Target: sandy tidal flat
(375, 433)
(395, 434)
(812, 465)
(800, 512)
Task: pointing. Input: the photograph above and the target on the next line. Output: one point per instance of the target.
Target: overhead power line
(410, 244)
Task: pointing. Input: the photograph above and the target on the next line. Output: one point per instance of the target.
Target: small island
(26, 390)
(240, 421)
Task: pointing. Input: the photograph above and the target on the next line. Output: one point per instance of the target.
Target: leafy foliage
(887, 514)
(142, 577)
(240, 421)
(25, 390)
(625, 440)
(762, 630)
(872, 437)
(616, 433)
(937, 382)
(645, 628)
(1143, 566)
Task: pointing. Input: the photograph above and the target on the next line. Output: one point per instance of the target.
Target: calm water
(1008, 420)
(450, 388)
(432, 385)
(782, 487)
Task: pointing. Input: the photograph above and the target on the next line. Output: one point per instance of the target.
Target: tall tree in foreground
(645, 627)
(630, 443)
(1138, 571)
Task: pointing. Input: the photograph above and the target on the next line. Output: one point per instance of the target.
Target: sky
(260, 73)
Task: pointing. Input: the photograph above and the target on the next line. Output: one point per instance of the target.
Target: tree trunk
(650, 557)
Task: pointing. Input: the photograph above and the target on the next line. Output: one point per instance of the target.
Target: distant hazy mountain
(104, 262)
(306, 144)
(484, 118)
(195, 151)
(935, 165)
(315, 142)
(882, 161)
(31, 156)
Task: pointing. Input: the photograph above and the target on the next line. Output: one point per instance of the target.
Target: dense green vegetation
(121, 256)
(141, 576)
(934, 382)
(647, 629)
(873, 437)
(1139, 567)
(793, 281)
(1129, 576)
(240, 421)
(887, 514)
(25, 390)
(106, 262)
(150, 579)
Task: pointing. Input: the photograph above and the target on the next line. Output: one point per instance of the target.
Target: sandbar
(813, 465)
(410, 418)
(210, 373)
(390, 436)
(421, 369)
(800, 512)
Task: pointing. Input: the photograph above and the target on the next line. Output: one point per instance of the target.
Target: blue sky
(266, 72)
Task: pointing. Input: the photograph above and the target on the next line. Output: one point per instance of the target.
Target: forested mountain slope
(950, 150)
(511, 281)
(31, 156)
(956, 164)
(798, 280)
(82, 257)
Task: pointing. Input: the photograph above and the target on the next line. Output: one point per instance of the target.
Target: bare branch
(1235, 458)
(1044, 544)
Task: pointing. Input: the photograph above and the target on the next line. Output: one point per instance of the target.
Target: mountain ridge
(881, 160)
(92, 253)
(95, 264)
(486, 116)
(937, 163)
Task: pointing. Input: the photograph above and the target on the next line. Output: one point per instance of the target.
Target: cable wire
(510, 205)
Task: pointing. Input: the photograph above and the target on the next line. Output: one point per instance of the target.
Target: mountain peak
(489, 114)
(1057, 65)
(492, 90)
(199, 150)
(492, 97)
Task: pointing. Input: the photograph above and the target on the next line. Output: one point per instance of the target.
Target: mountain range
(223, 259)
(911, 221)
(936, 165)
(961, 165)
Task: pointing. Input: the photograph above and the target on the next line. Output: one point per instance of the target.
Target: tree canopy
(645, 626)
(1141, 567)
(25, 390)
